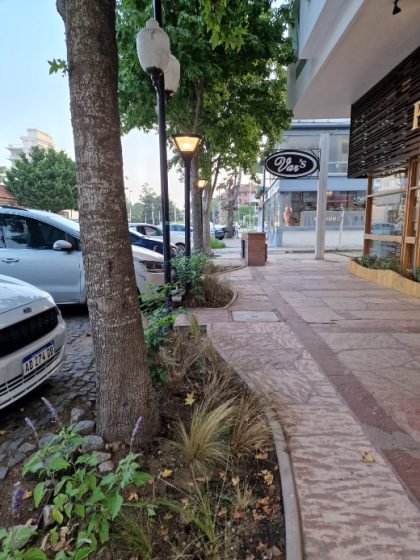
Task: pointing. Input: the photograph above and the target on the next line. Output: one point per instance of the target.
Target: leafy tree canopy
(148, 208)
(232, 55)
(45, 179)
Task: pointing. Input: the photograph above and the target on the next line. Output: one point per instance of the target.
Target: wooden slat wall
(381, 138)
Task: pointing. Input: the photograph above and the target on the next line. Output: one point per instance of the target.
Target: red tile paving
(342, 379)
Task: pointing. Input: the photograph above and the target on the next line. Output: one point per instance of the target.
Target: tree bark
(124, 390)
(232, 196)
(207, 198)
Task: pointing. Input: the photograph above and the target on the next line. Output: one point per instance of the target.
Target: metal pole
(159, 82)
(321, 206)
(263, 199)
(187, 209)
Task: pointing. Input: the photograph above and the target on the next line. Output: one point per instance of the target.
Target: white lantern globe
(172, 75)
(153, 47)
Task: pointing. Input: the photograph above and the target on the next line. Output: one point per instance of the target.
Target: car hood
(15, 293)
(144, 254)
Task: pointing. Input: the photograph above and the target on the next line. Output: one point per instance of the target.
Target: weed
(416, 273)
(243, 497)
(204, 443)
(217, 244)
(389, 263)
(130, 534)
(368, 261)
(189, 269)
(211, 291)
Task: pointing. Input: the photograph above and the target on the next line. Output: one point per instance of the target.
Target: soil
(251, 533)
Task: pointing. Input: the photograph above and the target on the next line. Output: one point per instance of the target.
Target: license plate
(38, 358)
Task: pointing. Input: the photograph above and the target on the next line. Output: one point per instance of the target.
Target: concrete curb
(294, 540)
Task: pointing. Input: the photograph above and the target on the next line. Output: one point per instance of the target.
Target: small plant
(189, 269)
(13, 541)
(205, 444)
(217, 244)
(211, 291)
(416, 273)
(389, 263)
(368, 261)
(158, 325)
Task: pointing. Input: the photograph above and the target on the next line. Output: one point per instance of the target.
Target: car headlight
(152, 266)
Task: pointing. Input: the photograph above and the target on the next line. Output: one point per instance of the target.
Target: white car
(177, 236)
(44, 249)
(32, 338)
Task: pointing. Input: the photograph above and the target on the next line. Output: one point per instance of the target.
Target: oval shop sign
(291, 164)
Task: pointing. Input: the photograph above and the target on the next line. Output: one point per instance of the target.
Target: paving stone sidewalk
(337, 360)
(74, 383)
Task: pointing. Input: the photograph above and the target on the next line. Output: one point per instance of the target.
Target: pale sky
(31, 33)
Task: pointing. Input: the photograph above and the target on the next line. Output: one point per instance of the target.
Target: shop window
(396, 182)
(385, 250)
(388, 214)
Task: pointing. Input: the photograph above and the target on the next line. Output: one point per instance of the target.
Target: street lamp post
(187, 145)
(153, 49)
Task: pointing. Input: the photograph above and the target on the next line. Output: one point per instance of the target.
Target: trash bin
(254, 249)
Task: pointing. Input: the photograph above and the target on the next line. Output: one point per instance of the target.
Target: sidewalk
(337, 360)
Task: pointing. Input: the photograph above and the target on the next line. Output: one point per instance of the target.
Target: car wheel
(181, 248)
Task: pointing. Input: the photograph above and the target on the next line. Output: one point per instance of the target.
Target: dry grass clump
(251, 432)
(182, 350)
(211, 291)
(243, 497)
(205, 443)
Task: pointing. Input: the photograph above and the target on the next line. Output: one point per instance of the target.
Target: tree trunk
(124, 390)
(196, 208)
(232, 197)
(207, 198)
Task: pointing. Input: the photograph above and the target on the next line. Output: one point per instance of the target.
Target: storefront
(385, 148)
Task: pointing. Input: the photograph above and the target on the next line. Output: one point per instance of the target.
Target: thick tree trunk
(124, 386)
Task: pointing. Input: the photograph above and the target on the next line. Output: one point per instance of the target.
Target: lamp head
(201, 183)
(187, 145)
(172, 75)
(153, 47)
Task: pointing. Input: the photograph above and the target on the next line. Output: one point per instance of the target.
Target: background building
(362, 58)
(291, 203)
(34, 137)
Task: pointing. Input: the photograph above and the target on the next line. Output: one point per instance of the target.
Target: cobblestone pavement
(337, 360)
(74, 384)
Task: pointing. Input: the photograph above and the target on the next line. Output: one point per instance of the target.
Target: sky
(31, 33)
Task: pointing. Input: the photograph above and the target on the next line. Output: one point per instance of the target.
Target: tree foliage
(148, 207)
(232, 55)
(45, 179)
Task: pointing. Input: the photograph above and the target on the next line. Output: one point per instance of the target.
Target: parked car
(44, 249)
(152, 243)
(32, 338)
(220, 231)
(155, 232)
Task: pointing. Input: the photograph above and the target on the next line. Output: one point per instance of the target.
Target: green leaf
(39, 491)
(97, 496)
(151, 512)
(57, 516)
(80, 510)
(3, 533)
(141, 478)
(83, 552)
(68, 508)
(104, 531)
(115, 503)
(34, 554)
(57, 463)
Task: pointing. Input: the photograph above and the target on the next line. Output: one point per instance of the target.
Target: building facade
(291, 203)
(34, 137)
(361, 58)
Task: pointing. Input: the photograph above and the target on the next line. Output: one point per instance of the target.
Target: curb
(294, 539)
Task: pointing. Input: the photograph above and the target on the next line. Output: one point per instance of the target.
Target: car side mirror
(62, 245)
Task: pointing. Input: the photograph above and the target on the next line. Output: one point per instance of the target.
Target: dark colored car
(220, 231)
(152, 244)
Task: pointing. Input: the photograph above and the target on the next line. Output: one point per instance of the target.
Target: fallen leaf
(267, 510)
(222, 512)
(268, 477)
(262, 455)
(235, 480)
(27, 494)
(185, 502)
(164, 531)
(167, 516)
(276, 552)
(166, 473)
(261, 546)
(133, 497)
(62, 543)
(190, 399)
(263, 501)
(238, 515)
(31, 521)
(368, 457)
(257, 516)
(222, 475)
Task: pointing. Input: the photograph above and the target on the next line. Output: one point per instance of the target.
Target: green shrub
(368, 261)
(389, 263)
(416, 273)
(216, 243)
(189, 269)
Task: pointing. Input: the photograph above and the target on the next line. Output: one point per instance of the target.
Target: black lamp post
(153, 49)
(187, 145)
